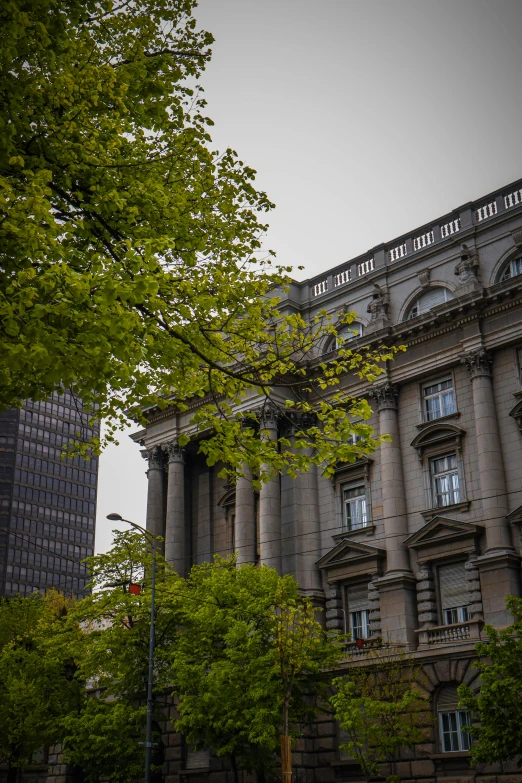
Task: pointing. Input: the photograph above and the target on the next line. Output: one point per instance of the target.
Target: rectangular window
(439, 399)
(355, 507)
(452, 736)
(454, 593)
(445, 478)
(358, 610)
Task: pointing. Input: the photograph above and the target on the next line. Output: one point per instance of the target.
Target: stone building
(419, 543)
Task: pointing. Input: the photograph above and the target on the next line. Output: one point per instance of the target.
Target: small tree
(249, 657)
(497, 707)
(105, 735)
(381, 709)
(38, 682)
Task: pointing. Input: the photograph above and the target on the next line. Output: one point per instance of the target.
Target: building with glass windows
(47, 503)
(419, 543)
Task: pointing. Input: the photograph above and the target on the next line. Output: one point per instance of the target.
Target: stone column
(245, 524)
(156, 490)
(175, 522)
(397, 586)
(491, 468)
(270, 506)
(499, 567)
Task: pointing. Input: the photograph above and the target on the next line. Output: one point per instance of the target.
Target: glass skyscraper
(47, 503)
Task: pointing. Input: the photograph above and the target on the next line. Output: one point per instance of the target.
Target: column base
(398, 600)
(499, 577)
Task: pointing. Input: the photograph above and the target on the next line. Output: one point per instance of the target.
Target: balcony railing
(449, 634)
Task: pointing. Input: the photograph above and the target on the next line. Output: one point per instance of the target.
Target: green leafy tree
(497, 707)
(38, 682)
(381, 709)
(105, 736)
(130, 264)
(249, 659)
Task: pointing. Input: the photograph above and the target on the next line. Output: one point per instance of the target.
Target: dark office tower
(47, 503)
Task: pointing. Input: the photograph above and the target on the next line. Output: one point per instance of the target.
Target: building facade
(420, 542)
(47, 503)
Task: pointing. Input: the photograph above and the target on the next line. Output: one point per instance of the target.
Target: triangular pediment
(516, 516)
(442, 529)
(349, 552)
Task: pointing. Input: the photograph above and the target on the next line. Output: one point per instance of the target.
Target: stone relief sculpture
(378, 309)
(467, 271)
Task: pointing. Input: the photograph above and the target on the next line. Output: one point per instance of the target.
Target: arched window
(512, 269)
(429, 299)
(452, 721)
(347, 332)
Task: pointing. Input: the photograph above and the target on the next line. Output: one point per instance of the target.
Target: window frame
(434, 382)
(412, 311)
(444, 474)
(441, 613)
(508, 267)
(365, 621)
(463, 718)
(354, 326)
(348, 486)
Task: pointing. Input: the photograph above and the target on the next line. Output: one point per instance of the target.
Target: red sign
(359, 642)
(135, 589)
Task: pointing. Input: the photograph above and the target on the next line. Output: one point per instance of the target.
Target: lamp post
(148, 734)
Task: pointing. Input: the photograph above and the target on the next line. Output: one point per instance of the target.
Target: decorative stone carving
(386, 395)
(176, 452)
(378, 309)
(467, 271)
(517, 238)
(334, 609)
(374, 614)
(426, 597)
(478, 362)
(424, 277)
(269, 416)
(475, 608)
(155, 457)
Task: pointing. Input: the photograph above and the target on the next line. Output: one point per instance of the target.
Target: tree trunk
(234, 767)
(286, 759)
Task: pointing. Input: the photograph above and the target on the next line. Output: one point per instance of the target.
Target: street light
(148, 735)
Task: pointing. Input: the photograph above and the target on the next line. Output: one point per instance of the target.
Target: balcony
(437, 635)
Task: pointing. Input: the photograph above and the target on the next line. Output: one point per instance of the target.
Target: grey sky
(363, 120)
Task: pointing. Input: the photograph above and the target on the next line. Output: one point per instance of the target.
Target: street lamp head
(115, 517)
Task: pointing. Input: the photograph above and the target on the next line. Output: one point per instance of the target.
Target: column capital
(386, 395)
(176, 453)
(297, 421)
(478, 362)
(269, 416)
(154, 457)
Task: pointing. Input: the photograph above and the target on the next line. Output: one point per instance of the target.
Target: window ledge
(453, 754)
(449, 417)
(429, 513)
(368, 530)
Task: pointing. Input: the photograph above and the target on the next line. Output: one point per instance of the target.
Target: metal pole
(148, 738)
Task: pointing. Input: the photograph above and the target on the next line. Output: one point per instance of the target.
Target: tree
(496, 708)
(37, 677)
(130, 260)
(104, 736)
(248, 661)
(381, 709)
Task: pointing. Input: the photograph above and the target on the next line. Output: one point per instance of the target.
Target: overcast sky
(363, 119)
